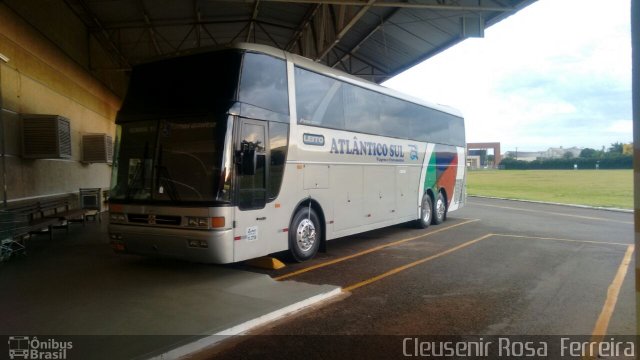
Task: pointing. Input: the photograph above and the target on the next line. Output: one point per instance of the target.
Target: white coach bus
(234, 154)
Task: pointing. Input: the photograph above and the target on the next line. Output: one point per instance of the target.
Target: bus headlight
(117, 217)
(203, 222)
(198, 221)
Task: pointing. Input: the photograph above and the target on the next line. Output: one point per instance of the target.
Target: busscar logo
(413, 152)
(25, 347)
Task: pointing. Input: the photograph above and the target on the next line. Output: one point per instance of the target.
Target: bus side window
(278, 138)
(252, 185)
(264, 83)
(319, 99)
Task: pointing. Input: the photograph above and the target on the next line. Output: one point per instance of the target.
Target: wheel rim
(426, 212)
(306, 235)
(440, 209)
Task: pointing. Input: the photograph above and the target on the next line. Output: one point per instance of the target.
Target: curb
(629, 211)
(210, 340)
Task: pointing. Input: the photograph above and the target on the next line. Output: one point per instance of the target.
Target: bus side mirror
(248, 161)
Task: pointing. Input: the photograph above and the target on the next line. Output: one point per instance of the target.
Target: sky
(557, 73)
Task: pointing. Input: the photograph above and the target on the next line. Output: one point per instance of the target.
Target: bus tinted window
(319, 100)
(362, 110)
(456, 131)
(278, 134)
(395, 117)
(437, 127)
(198, 84)
(264, 82)
(327, 102)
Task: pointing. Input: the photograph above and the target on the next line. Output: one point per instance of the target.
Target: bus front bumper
(214, 246)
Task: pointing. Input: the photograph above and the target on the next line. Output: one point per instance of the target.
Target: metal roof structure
(372, 39)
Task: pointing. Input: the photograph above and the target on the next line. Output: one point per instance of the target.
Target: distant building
(479, 157)
(558, 153)
(524, 155)
(551, 153)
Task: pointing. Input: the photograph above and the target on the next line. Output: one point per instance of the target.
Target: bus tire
(305, 234)
(439, 210)
(426, 212)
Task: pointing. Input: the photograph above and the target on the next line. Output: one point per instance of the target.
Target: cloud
(547, 76)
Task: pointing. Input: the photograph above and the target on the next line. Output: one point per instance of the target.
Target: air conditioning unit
(97, 148)
(46, 137)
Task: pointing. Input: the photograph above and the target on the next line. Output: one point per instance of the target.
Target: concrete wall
(52, 75)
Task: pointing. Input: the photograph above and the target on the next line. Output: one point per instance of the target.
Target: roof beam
(355, 48)
(368, 63)
(396, 4)
(196, 12)
(150, 29)
(344, 29)
(101, 35)
(304, 24)
(254, 16)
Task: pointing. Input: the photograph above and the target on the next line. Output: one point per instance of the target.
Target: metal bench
(60, 208)
(46, 214)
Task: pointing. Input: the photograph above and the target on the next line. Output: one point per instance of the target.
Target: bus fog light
(118, 246)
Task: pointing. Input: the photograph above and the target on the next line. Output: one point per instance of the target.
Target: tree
(616, 148)
(568, 155)
(588, 153)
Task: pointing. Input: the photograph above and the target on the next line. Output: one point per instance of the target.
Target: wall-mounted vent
(97, 148)
(46, 137)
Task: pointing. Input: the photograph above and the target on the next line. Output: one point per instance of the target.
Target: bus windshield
(171, 160)
(172, 131)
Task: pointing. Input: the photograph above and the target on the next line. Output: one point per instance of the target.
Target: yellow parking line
(377, 248)
(415, 263)
(554, 213)
(600, 329)
(558, 239)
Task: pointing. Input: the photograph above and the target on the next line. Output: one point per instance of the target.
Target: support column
(3, 165)
(635, 44)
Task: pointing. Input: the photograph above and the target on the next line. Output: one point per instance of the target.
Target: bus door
(251, 217)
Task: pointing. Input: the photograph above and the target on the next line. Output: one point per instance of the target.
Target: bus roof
(323, 69)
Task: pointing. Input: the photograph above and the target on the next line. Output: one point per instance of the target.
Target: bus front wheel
(439, 209)
(305, 234)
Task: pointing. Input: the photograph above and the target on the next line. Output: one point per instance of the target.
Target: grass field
(607, 188)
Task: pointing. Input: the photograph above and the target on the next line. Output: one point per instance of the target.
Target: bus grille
(154, 219)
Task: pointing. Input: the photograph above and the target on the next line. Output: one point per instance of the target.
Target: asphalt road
(493, 268)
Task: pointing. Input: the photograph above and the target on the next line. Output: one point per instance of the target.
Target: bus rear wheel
(439, 210)
(305, 234)
(426, 212)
